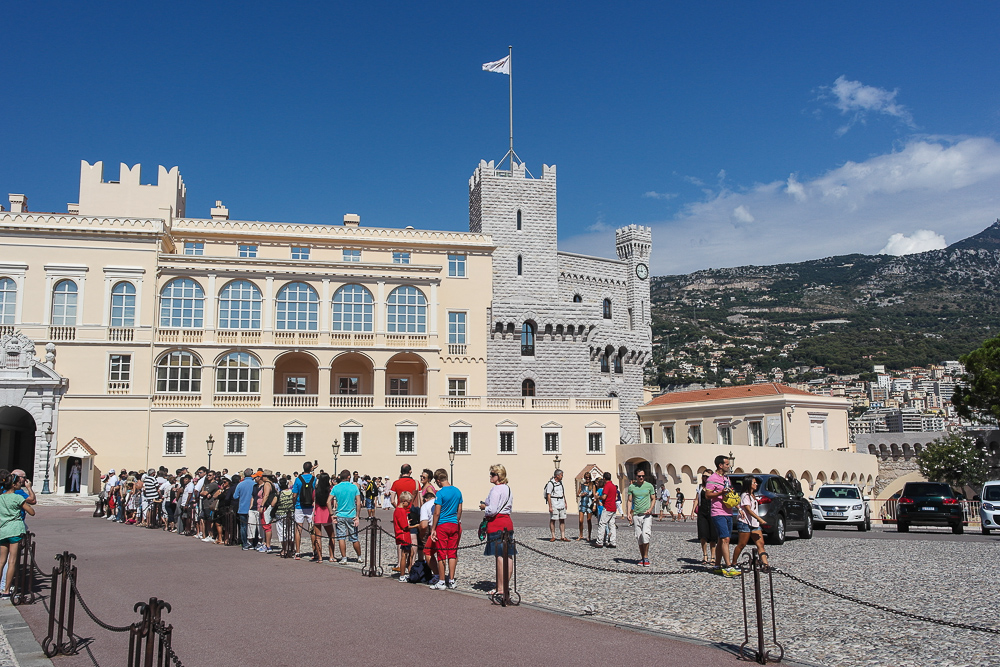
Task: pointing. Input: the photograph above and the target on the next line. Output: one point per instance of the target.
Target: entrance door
(17, 440)
(74, 473)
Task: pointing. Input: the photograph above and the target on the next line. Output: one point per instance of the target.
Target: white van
(989, 509)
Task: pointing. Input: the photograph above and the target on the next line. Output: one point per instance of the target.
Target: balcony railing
(62, 333)
(228, 337)
(352, 401)
(302, 338)
(458, 350)
(351, 339)
(236, 400)
(296, 400)
(460, 401)
(6, 329)
(121, 334)
(118, 387)
(177, 401)
(406, 401)
(405, 340)
(180, 336)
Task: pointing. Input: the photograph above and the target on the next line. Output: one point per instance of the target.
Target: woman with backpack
(322, 518)
(703, 511)
(497, 508)
(12, 527)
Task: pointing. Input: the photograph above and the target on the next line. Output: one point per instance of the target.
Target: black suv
(783, 507)
(929, 504)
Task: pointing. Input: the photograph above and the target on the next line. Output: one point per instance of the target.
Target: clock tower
(633, 245)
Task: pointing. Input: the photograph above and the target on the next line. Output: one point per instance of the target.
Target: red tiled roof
(728, 393)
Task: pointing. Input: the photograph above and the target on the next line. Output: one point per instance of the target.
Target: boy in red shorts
(401, 524)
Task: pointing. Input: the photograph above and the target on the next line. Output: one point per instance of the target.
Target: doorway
(74, 473)
(17, 440)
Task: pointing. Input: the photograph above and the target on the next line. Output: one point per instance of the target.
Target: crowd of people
(252, 508)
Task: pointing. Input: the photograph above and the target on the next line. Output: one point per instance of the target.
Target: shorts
(207, 515)
(722, 526)
(643, 524)
(10, 540)
(406, 547)
(303, 515)
(494, 545)
(558, 514)
(448, 535)
(742, 527)
(346, 530)
(369, 503)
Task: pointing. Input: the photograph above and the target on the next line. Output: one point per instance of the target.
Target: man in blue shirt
(243, 496)
(348, 502)
(305, 494)
(446, 529)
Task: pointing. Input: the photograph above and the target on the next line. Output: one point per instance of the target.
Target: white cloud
(930, 183)
(858, 100)
(660, 195)
(921, 241)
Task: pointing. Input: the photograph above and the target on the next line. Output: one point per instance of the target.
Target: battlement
(489, 170)
(128, 197)
(633, 233)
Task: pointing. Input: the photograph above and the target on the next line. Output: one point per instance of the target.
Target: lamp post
(732, 458)
(451, 460)
(336, 451)
(210, 445)
(556, 461)
(48, 457)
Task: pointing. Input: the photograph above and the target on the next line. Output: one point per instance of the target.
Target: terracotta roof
(81, 442)
(728, 393)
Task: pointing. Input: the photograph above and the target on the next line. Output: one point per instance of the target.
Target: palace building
(132, 333)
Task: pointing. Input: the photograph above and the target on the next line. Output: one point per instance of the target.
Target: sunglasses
(493, 474)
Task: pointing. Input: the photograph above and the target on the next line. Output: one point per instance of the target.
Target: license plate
(835, 514)
(929, 509)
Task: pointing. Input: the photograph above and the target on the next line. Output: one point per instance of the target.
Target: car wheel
(958, 529)
(778, 535)
(807, 532)
(986, 531)
(902, 527)
(862, 527)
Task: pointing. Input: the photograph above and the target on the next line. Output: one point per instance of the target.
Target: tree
(980, 398)
(954, 459)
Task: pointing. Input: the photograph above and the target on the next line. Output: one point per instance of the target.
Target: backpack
(545, 489)
(370, 489)
(419, 573)
(306, 491)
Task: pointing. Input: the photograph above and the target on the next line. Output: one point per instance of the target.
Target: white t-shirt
(188, 491)
(111, 483)
(201, 483)
(427, 512)
(665, 495)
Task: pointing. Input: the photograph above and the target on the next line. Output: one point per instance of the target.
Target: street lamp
(336, 451)
(556, 461)
(209, 445)
(451, 460)
(48, 457)
(732, 458)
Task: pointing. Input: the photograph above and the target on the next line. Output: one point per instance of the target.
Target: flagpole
(510, 87)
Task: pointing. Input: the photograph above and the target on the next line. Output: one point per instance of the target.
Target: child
(426, 518)
(401, 524)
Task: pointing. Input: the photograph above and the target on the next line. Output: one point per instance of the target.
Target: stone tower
(633, 245)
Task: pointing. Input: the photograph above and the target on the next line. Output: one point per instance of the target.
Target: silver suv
(841, 504)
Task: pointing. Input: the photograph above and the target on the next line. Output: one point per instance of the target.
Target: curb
(25, 647)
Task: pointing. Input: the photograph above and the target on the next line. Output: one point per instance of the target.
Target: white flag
(501, 66)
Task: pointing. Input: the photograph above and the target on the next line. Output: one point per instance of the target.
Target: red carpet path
(235, 608)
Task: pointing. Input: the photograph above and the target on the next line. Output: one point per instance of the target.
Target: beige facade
(768, 428)
(275, 339)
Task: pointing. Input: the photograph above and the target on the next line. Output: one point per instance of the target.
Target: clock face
(642, 271)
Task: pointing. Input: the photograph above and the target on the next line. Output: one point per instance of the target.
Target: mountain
(845, 313)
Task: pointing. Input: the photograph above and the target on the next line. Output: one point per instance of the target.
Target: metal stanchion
(61, 623)
(24, 572)
(149, 633)
(373, 559)
(752, 564)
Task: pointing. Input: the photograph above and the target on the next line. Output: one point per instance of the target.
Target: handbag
(730, 499)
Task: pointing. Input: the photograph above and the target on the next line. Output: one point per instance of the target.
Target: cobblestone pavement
(937, 579)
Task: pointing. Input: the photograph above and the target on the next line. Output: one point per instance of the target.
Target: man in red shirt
(607, 531)
(405, 484)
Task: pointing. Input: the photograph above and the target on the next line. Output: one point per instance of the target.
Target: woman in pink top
(497, 508)
(322, 517)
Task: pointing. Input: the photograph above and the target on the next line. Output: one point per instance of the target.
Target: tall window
(248, 250)
(238, 373)
(527, 339)
(551, 443)
(296, 384)
(607, 309)
(351, 439)
(352, 255)
(123, 305)
(604, 364)
(400, 258)
(460, 441)
(694, 434)
(668, 435)
(577, 298)
(519, 219)
(595, 443)
(300, 252)
(194, 248)
(175, 442)
(178, 372)
(64, 304)
(756, 434)
(120, 370)
(456, 386)
(293, 442)
(506, 442)
(406, 311)
(528, 387)
(298, 308)
(182, 304)
(647, 434)
(348, 386)
(399, 386)
(618, 361)
(235, 441)
(456, 328)
(520, 265)
(405, 442)
(8, 300)
(725, 434)
(239, 306)
(456, 266)
(353, 309)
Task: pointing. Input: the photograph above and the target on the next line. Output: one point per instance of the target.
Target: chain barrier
(60, 624)
(23, 575)
(93, 617)
(888, 610)
(614, 570)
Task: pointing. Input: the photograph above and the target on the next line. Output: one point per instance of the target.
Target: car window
(777, 485)
(926, 489)
(846, 493)
(992, 493)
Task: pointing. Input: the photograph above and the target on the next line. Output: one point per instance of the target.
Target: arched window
(123, 305)
(607, 309)
(520, 265)
(238, 373)
(577, 298)
(298, 308)
(407, 311)
(527, 339)
(528, 387)
(8, 300)
(353, 309)
(182, 304)
(618, 360)
(64, 304)
(604, 364)
(239, 306)
(518, 219)
(178, 372)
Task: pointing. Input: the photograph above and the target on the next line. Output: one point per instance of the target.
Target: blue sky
(743, 133)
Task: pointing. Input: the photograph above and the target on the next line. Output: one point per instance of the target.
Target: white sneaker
(404, 578)
(452, 585)
(207, 539)
(342, 561)
(438, 586)
(199, 536)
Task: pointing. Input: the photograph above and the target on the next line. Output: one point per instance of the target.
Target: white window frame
(300, 250)
(197, 248)
(723, 426)
(294, 427)
(351, 255)
(247, 250)
(16, 272)
(351, 426)
(461, 338)
(760, 424)
(507, 426)
(461, 427)
(56, 272)
(175, 426)
(458, 262)
(107, 366)
(597, 428)
(234, 426)
(401, 256)
(664, 429)
(464, 389)
(407, 427)
(545, 441)
(701, 433)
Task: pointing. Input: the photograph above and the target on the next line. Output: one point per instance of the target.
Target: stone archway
(17, 440)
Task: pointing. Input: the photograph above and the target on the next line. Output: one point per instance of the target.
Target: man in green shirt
(639, 502)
